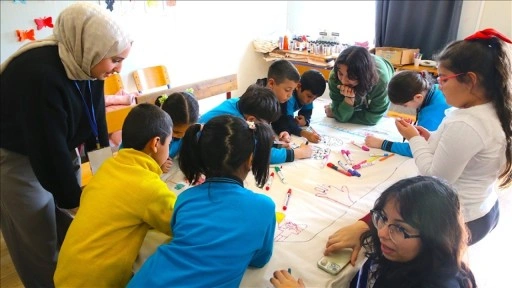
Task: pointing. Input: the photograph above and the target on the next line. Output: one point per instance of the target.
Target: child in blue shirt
(258, 104)
(220, 227)
(184, 111)
(413, 89)
(282, 78)
(311, 86)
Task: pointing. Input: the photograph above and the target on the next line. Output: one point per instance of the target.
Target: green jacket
(377, 99)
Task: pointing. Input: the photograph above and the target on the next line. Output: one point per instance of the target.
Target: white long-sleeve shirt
(468, 151)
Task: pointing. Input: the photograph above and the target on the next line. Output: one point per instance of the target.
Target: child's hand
(301, 120)
(372, 141)
(285, 137)
(406, 129)
(311, 136)
(283, 279)
(304, 151)
(166, 167)
(423, 132)
(328, 111)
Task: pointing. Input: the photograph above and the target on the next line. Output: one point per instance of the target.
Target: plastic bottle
(285, 42)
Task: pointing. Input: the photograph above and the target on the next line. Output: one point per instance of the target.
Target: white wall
(478, 15)
(199, 40)
(196, 40)
(354, 20)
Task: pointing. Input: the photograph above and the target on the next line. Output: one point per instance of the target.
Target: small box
(397, 56)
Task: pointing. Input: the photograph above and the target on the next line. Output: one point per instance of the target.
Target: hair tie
(190, 90)
(251, 125)
(423, 74)
(162, 99)
(487, 34)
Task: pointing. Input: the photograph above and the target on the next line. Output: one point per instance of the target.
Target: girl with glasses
(472, 148)
(417, 239)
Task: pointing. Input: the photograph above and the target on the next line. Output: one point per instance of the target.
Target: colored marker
(269, 181)
(287, 199)
(384, 158)
(379, 155)
(368, 164)
(363, 147)
(334, 167)
(280, 174)
(346, 155)
(289, 270)
(347, 168)
(358, 165)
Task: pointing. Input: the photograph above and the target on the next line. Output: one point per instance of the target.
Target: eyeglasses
(443, 79)
(396, 232)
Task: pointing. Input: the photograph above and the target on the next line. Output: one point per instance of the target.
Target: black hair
(260, 102)
(181, 106)
(490, 60)
(360, 66)
(223, 145)
(144, 122)
(313, 81)
(282, 70)
(431, 206)
(405, 84)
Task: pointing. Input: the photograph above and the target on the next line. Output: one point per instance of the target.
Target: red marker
(287, 199)
(269, 181)
(332, 166)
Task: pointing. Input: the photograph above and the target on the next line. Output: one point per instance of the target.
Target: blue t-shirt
(219, 229)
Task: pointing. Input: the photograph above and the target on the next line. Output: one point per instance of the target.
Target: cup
(417, 62)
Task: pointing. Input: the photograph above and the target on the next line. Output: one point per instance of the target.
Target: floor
(483, 257)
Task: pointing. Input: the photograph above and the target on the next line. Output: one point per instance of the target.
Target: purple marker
(347, 168)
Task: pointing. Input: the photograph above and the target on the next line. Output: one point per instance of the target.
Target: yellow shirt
(124, 199)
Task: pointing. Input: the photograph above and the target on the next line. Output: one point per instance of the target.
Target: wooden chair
(115, 118)
(113, 84)
(151, 77)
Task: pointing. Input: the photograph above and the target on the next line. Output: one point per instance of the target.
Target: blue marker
(349, 169)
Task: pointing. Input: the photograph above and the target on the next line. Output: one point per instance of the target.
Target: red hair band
(488, 34)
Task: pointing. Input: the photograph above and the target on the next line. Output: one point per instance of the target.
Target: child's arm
(159, 209)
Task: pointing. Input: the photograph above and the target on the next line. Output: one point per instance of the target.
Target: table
(303, 67)
(322, 201)
(429, 69)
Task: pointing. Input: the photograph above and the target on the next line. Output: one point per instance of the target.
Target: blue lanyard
(90, 112)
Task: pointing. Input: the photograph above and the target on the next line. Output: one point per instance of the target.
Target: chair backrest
(115, 118)
(151, 77)
(113, 84)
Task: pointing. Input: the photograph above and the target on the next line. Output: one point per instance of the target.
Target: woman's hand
(347, 237)
(372, 141)
(328, 111)
(349, 93)
(283, 279)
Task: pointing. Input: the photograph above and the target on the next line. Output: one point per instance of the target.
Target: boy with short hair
(311, 86)
(123, 200)
(282, 79)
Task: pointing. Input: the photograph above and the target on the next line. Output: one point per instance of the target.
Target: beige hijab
(85, 34)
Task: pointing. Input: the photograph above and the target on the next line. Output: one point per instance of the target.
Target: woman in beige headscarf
(50, 104)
